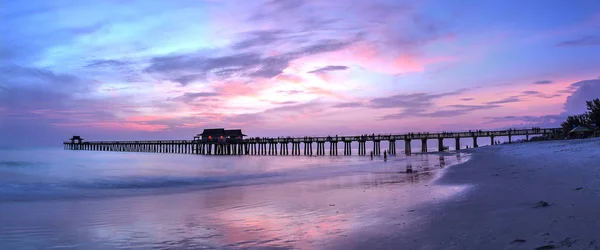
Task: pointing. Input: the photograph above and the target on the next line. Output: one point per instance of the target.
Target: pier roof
(222, 132)
(213, 131)
(234, 132)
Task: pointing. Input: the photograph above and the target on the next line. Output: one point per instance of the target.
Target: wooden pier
(234, 144)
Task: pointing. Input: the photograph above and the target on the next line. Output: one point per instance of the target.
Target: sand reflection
(306, 214)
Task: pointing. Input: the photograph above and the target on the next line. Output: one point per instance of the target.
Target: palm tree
(593, 113)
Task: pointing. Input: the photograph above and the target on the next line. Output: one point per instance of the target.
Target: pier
(231, 142)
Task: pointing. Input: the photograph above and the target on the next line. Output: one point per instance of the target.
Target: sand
(542, 195)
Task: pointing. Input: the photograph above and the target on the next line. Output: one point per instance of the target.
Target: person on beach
(385, 155)
(371, 155)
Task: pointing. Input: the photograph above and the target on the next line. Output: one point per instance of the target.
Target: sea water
(54, 198)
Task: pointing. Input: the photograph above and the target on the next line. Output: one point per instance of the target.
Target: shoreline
(537, 195)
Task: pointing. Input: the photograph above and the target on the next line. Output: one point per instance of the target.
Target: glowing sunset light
(166, 68)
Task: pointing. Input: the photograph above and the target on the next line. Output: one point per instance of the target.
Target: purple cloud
(543, 121)
(585, 91)
(348, 105)
(187, 68)
(259, 38)
(190, 97)
(450, 111)
(328, 68)
(506, 100)
(581, 41)
(106, 63)
(412, 101)
(543, 82)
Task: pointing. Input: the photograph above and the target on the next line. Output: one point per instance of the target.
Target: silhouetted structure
(76, 138)
(231, 142)
(220, 134)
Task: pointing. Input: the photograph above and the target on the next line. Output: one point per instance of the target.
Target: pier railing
(258, 146)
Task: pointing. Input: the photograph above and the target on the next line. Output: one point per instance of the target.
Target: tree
(574, 121)
(593, 113)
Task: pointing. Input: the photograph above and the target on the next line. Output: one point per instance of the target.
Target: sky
(140, 70)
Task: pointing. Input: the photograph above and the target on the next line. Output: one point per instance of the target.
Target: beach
(536, 195)
(539, 195)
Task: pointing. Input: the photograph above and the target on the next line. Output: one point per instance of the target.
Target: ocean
(55, 198)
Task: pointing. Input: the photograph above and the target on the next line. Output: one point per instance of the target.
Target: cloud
(84, 30)
(31, 77)
(506, 100)
(190, 67)
(450, 111)
(328, 68)
(276, 8)
(259, 38)
(416, 104)
(584, 91)
(536, 93)
(191, 96)
(456, 110)
(106, 63)
(45, 104)
(467, 99)
(285, 103)
(581, 41)
(292, 92)
(187, 68)
(575, 104)
(285, 113)
(391, 34)
(543, 82)
(548, 96)
(348, 105)
(542, 121)
(412, 101)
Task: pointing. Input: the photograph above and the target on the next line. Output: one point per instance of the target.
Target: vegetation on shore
(589, 119)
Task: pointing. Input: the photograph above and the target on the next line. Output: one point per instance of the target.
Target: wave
(146, 182)
(119, 186)
(17, 164)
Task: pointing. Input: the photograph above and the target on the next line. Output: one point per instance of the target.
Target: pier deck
(270, 146)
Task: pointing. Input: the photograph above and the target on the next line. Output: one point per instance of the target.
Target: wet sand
(543, 195)
(315, 213)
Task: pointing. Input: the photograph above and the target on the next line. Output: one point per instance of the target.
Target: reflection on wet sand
(307, 214)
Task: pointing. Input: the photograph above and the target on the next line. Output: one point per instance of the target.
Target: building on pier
(220, 134)
(76, 138)
(234, 134)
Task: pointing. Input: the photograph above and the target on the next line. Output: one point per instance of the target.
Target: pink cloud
(192, 125)
(117, 126)
(375, 58)
(289, 78)
(325, 92)
(147, 118)
(240, 88)
(405, 63)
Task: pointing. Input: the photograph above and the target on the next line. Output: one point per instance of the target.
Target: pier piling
(258, 146)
